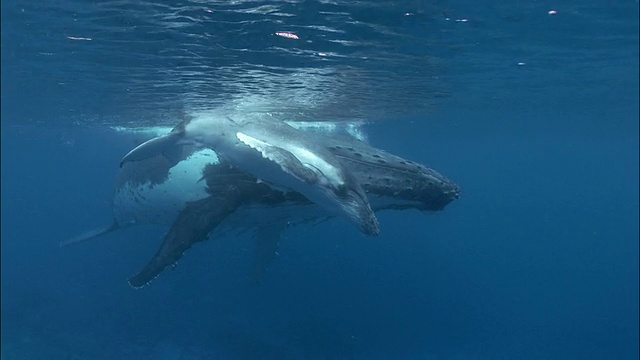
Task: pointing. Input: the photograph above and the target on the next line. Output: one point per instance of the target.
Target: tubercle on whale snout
(438, 203)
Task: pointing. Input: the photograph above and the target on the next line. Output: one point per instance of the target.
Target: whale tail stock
(91, 234)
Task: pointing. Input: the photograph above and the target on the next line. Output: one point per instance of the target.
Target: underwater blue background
(534, 115)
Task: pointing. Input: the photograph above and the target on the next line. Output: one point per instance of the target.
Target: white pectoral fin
(156, 146)
(287, 161)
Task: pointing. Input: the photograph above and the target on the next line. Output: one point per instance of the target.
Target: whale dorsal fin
(156, 146)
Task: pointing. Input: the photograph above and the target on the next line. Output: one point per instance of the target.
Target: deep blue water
(534, 115)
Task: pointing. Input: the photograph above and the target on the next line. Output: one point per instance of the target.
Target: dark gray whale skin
(397, 182)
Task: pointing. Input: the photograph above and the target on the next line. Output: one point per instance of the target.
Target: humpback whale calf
(276, 153)
(191, 191)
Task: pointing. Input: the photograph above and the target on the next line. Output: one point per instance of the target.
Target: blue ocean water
(530, 106)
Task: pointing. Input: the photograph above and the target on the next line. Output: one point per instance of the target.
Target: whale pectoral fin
(267, 239)
(164, 144)
(193, 225)
(287, 161)
(91, 234)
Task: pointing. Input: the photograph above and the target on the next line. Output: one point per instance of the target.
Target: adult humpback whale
(166, 189)
(277, 153)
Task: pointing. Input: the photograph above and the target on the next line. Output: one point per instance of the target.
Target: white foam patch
(351, 128)
(152, 131)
